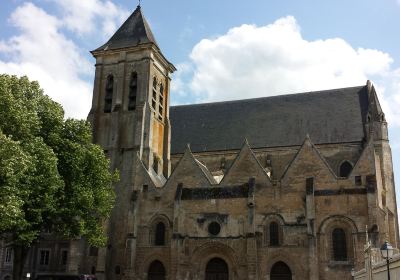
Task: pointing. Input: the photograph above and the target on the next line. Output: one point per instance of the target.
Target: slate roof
(133, 32)
(330, 116)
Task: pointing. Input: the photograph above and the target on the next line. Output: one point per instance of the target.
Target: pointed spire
(133, 32)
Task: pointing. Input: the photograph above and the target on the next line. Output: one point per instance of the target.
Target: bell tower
(130, 121)
(130, 107)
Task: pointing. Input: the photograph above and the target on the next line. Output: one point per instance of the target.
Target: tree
(51, 175)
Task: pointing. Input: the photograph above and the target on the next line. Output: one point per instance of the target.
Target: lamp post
(387, 253)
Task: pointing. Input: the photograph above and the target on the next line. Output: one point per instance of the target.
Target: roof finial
(139, 3)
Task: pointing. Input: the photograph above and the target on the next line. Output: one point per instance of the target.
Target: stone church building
(282, 187)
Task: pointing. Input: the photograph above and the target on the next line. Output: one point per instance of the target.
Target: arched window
(156, 271)
(132, 92)
(339, 244)
(217, 269)
(345, 169)
(281, 271)
(273, 234)
(109, 94)
(159, 239)
(374, 235)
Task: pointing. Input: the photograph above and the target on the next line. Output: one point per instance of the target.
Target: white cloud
(85, 16)
(43, 53)
(250, 61)
(178, 84)
(388, 89)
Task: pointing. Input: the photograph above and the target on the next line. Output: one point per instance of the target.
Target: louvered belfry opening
(109, 94)
(132, 92)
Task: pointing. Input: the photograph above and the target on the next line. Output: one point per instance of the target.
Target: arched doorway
(156, 271)
(217, 269)
(281, 271)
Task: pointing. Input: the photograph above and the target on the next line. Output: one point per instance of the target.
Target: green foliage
(13, 165)
(51, 175)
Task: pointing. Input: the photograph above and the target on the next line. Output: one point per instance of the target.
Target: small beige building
(269, 188)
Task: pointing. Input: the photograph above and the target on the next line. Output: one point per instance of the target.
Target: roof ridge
(267, 97)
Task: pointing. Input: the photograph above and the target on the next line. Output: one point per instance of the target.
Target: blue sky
(264, 47)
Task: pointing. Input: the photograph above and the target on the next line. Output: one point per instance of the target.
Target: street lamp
(387, 253)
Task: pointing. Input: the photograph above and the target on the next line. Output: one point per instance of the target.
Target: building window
(64, 257)
(310, 185)
(44, 257)
(273, 234)
(109, 94)
(357, 180)
(339, 244)
(8, 255)
(161, 103)
(132, 92)
(374, 236)
(154, 96)
(155, 164)
(214, 228)
(160, 234)
(345, 169)
(93, 251)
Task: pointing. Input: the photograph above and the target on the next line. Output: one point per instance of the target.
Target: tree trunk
(20, 255)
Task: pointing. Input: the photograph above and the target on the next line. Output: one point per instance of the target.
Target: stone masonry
(270, 188)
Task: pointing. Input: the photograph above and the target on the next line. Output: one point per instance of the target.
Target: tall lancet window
(161, 103)
(339, 244)
(159, 239)
(154, 96)
(273, 234)
(109, 94)
(132, 92)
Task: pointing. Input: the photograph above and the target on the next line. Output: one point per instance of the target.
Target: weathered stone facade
(228, 212)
